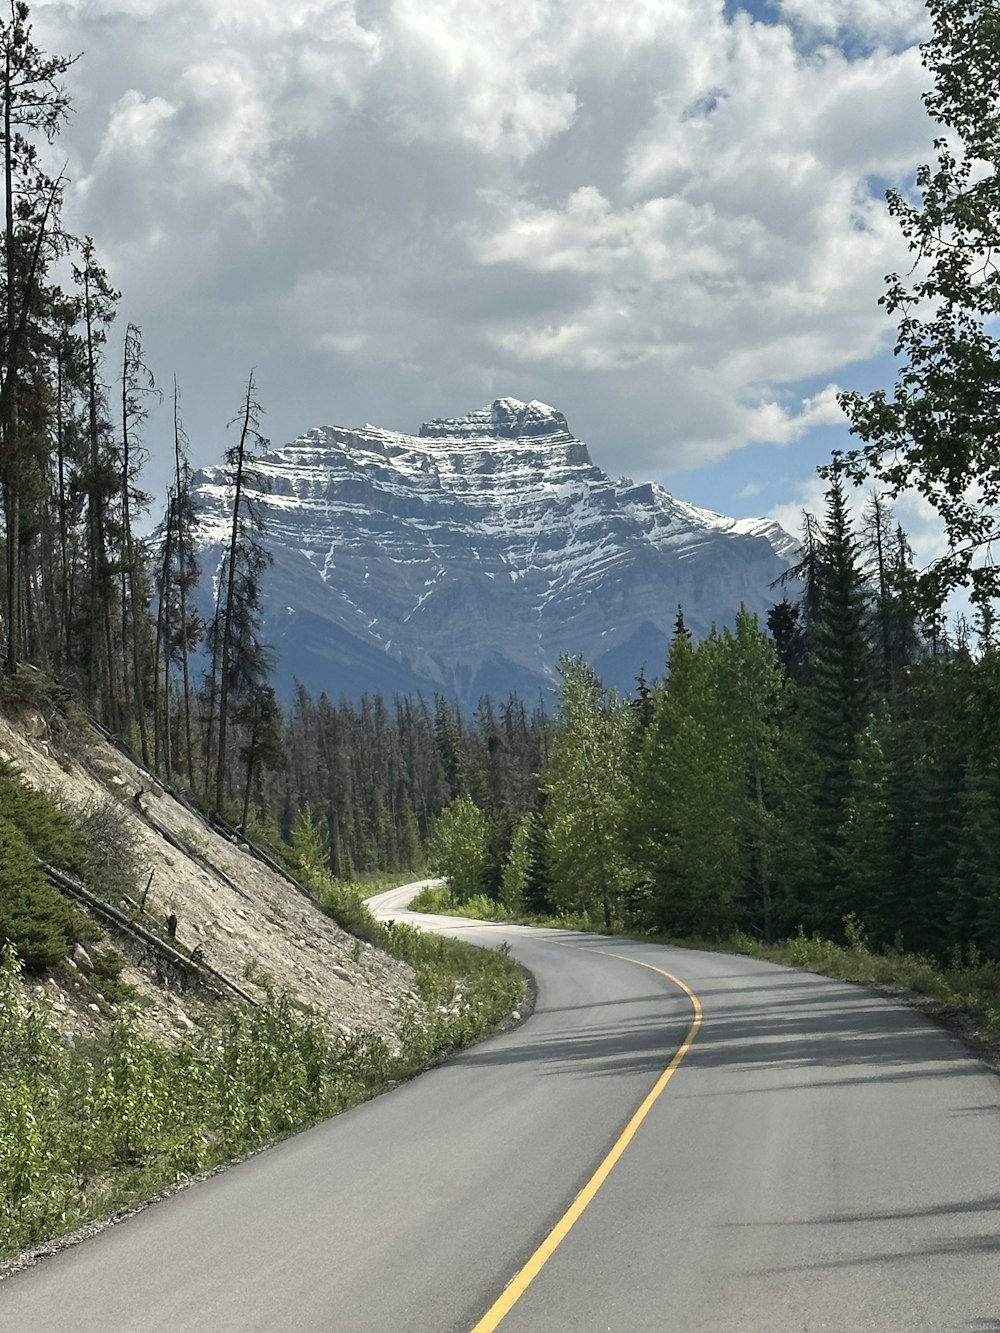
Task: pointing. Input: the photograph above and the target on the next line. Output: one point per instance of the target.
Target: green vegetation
(459, 845)
(937, 430)
(469, 991)
(840, 762)
(34, 916)
(88, 1130)
(824, 791)
(91, 1129)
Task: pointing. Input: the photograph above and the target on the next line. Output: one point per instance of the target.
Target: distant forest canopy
(841, 761)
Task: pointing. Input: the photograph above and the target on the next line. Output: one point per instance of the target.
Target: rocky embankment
(245, 921)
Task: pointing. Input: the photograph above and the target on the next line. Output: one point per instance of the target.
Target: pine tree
(95, 648)
(259, 716)
(239, 661)
(784, 622)
(34, 105)
(136, 384)
(897, 640)
(178, 628)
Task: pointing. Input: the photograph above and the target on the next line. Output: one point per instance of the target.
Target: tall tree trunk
(102, 648)
(130, 613)
(161, 649)
(181, 488)
(64, 580)
(12, 508)
(227, 627)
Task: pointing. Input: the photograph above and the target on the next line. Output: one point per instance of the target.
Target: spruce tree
(840, 696)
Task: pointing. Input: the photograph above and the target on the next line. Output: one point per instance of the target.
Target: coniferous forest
(839, 761)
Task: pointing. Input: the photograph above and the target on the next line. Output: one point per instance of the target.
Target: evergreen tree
(753, 694)
(897, 641)
(784, 622)
(535, 889)
(973, 912)
(702, 817)
(868, 844)
(517, 867)
(840, 697)
(260, 719)
(136, 384)
(95, 649)
(239, 661)
(33, 106)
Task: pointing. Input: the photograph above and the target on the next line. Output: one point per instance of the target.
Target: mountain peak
(466, 559)
(503, 419)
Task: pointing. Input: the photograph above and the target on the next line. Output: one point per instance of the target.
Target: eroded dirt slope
(247, 920)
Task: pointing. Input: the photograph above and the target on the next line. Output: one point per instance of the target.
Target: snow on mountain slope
(467, 558)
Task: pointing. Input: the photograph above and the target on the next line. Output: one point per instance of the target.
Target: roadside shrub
(106, 976)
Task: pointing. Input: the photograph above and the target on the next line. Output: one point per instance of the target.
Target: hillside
(245, 920)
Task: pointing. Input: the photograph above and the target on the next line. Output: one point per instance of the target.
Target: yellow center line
(523, 1279)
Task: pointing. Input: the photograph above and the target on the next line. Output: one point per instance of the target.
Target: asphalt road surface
(809, 1158)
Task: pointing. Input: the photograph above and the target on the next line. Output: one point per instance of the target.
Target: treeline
(363, 785)
(839, 762)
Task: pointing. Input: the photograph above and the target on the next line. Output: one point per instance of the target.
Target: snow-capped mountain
(464, 560)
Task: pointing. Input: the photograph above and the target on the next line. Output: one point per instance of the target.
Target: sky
(665, 218)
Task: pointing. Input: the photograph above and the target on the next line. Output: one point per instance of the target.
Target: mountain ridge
(476, 552)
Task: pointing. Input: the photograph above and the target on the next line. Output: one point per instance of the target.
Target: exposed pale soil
(259, 924)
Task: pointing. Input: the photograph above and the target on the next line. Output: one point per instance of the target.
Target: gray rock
(82, 959)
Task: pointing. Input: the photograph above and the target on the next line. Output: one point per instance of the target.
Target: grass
(466, 991)
(92, 1129)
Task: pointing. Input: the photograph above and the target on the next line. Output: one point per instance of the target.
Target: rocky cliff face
(464, 560)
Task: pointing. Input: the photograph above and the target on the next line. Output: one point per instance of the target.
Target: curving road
(818, 1159)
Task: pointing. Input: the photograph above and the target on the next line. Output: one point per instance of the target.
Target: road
(818, 1159)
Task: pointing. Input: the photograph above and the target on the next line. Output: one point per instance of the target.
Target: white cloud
(663, 217)
(874, 20)
(134, 124)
